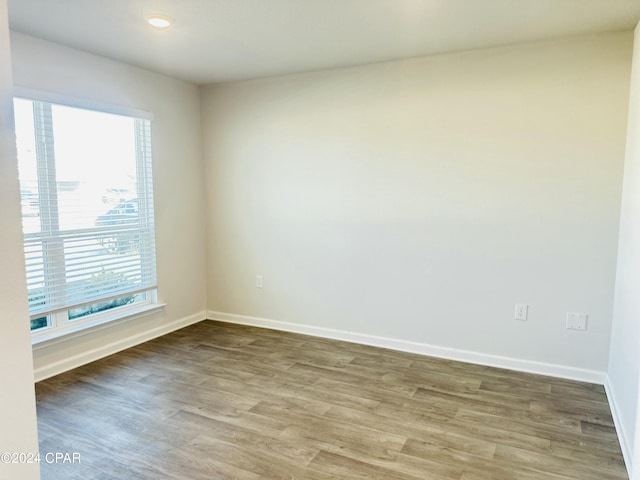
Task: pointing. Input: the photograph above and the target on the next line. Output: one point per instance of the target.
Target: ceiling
(223, 40)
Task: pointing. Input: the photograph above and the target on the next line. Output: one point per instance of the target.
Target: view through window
(87, 212)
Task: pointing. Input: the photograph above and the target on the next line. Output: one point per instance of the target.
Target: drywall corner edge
(623, 435)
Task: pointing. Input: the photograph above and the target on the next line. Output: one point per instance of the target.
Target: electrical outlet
(576, 321)
(521, 311)
(258, 281)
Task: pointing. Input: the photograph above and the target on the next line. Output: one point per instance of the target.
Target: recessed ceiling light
(160, 22)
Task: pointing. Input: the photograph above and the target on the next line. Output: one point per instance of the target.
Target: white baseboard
(68, 363)
(549, 369)
(623, 435)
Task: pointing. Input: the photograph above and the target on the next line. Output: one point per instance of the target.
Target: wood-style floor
(219, 401)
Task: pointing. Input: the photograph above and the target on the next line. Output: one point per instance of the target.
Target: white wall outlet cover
(576, 321)
(521, 311)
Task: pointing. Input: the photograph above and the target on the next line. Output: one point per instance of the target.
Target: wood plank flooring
(220, 401)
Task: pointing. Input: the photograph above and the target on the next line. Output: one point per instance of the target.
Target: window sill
(48, 339)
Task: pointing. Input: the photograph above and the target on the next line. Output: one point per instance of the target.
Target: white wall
(178, 184)
(624, 363)
(18, 431)
(420, 200)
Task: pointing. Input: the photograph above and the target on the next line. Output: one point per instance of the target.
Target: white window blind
(87, 207)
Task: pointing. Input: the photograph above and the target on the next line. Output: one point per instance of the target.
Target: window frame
(59, 324)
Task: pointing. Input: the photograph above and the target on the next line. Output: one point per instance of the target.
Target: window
(87, 214)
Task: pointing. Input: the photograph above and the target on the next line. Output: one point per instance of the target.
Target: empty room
(355, 239)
